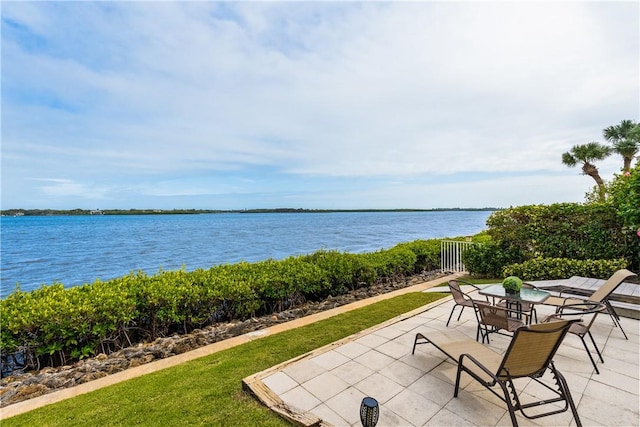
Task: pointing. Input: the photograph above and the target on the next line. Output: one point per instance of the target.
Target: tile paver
(417, 390)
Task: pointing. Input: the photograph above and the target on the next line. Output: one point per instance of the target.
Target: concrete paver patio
(417, 390)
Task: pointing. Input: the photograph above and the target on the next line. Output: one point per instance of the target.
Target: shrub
(427, 254)
(625, 199)
(393, 263)
(563, 230)
(488, 259)
(562, 268)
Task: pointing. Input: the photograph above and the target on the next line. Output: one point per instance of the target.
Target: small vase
(512, 292)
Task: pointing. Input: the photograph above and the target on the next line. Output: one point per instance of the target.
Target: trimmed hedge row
(561, 268)
(568, 231)
(53, 325)
(563, 230)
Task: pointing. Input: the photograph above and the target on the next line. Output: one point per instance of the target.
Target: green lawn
(208, 391)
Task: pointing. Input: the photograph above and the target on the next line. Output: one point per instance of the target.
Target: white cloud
(159, 91)
(66, 188)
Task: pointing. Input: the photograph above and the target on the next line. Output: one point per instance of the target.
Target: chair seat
(579, 328)
(455, 344)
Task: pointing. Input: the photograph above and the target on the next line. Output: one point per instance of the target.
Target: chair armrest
(478, 364)
(558, 316)
(579, 309)
(476, 288)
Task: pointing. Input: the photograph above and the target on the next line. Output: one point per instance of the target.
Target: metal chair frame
(529, 355)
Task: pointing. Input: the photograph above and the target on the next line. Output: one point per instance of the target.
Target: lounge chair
(529, 355)
(601, 295)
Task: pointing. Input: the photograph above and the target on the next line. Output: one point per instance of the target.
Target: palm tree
(586, 154)
(625, 139)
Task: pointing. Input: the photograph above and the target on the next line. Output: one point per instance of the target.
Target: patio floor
(327, 385)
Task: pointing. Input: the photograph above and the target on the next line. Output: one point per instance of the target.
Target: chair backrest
(458, 296)
(492, 315)
(610, 285)
(532, 348)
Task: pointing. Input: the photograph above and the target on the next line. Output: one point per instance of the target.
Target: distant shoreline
(74, 212)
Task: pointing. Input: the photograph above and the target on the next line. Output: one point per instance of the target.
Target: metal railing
(451, 255)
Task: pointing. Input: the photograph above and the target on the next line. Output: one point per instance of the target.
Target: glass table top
(529, 295)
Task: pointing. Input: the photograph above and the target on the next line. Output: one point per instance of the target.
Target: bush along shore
(26, 385)
(53, 326)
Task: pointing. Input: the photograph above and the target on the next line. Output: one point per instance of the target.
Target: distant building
(96, 212)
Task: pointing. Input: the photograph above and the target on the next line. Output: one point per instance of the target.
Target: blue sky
(233, 105)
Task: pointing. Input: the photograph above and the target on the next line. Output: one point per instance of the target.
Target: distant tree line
(53, 212)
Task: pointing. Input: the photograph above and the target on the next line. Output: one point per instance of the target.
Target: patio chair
(493, 319)
(528, 309)
(460, 298)
(529, 355)
(601, 295)
(587, 312)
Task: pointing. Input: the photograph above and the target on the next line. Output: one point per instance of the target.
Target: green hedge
(53, 325)
(562, 268)
(593, 231)
(488, 259)
(563, 230)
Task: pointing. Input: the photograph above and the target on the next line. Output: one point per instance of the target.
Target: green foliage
(625, 199)
(341, 272)
(577, 232)
(392, 264)
(562, 268)
(487, 259)
(512, 283)
(562, 230)
(53, 325)
(427, 253)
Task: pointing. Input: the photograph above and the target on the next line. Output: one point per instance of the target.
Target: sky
(316, 105)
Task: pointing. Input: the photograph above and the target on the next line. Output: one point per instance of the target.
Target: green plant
(561, 230)
(562, 268)
(625, 199)
(512, 283)
(488, 259)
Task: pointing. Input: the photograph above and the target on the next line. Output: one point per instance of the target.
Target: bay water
(73, 250)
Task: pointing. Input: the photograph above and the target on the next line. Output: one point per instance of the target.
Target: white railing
(451, 252)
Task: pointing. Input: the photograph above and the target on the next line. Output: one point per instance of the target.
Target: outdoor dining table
(514, 301)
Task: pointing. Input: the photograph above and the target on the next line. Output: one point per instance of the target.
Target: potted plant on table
(512, 285)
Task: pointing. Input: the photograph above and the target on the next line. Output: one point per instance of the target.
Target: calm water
(78, 249)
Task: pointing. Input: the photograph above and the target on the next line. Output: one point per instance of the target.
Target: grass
(208, 391)
(475, 281)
